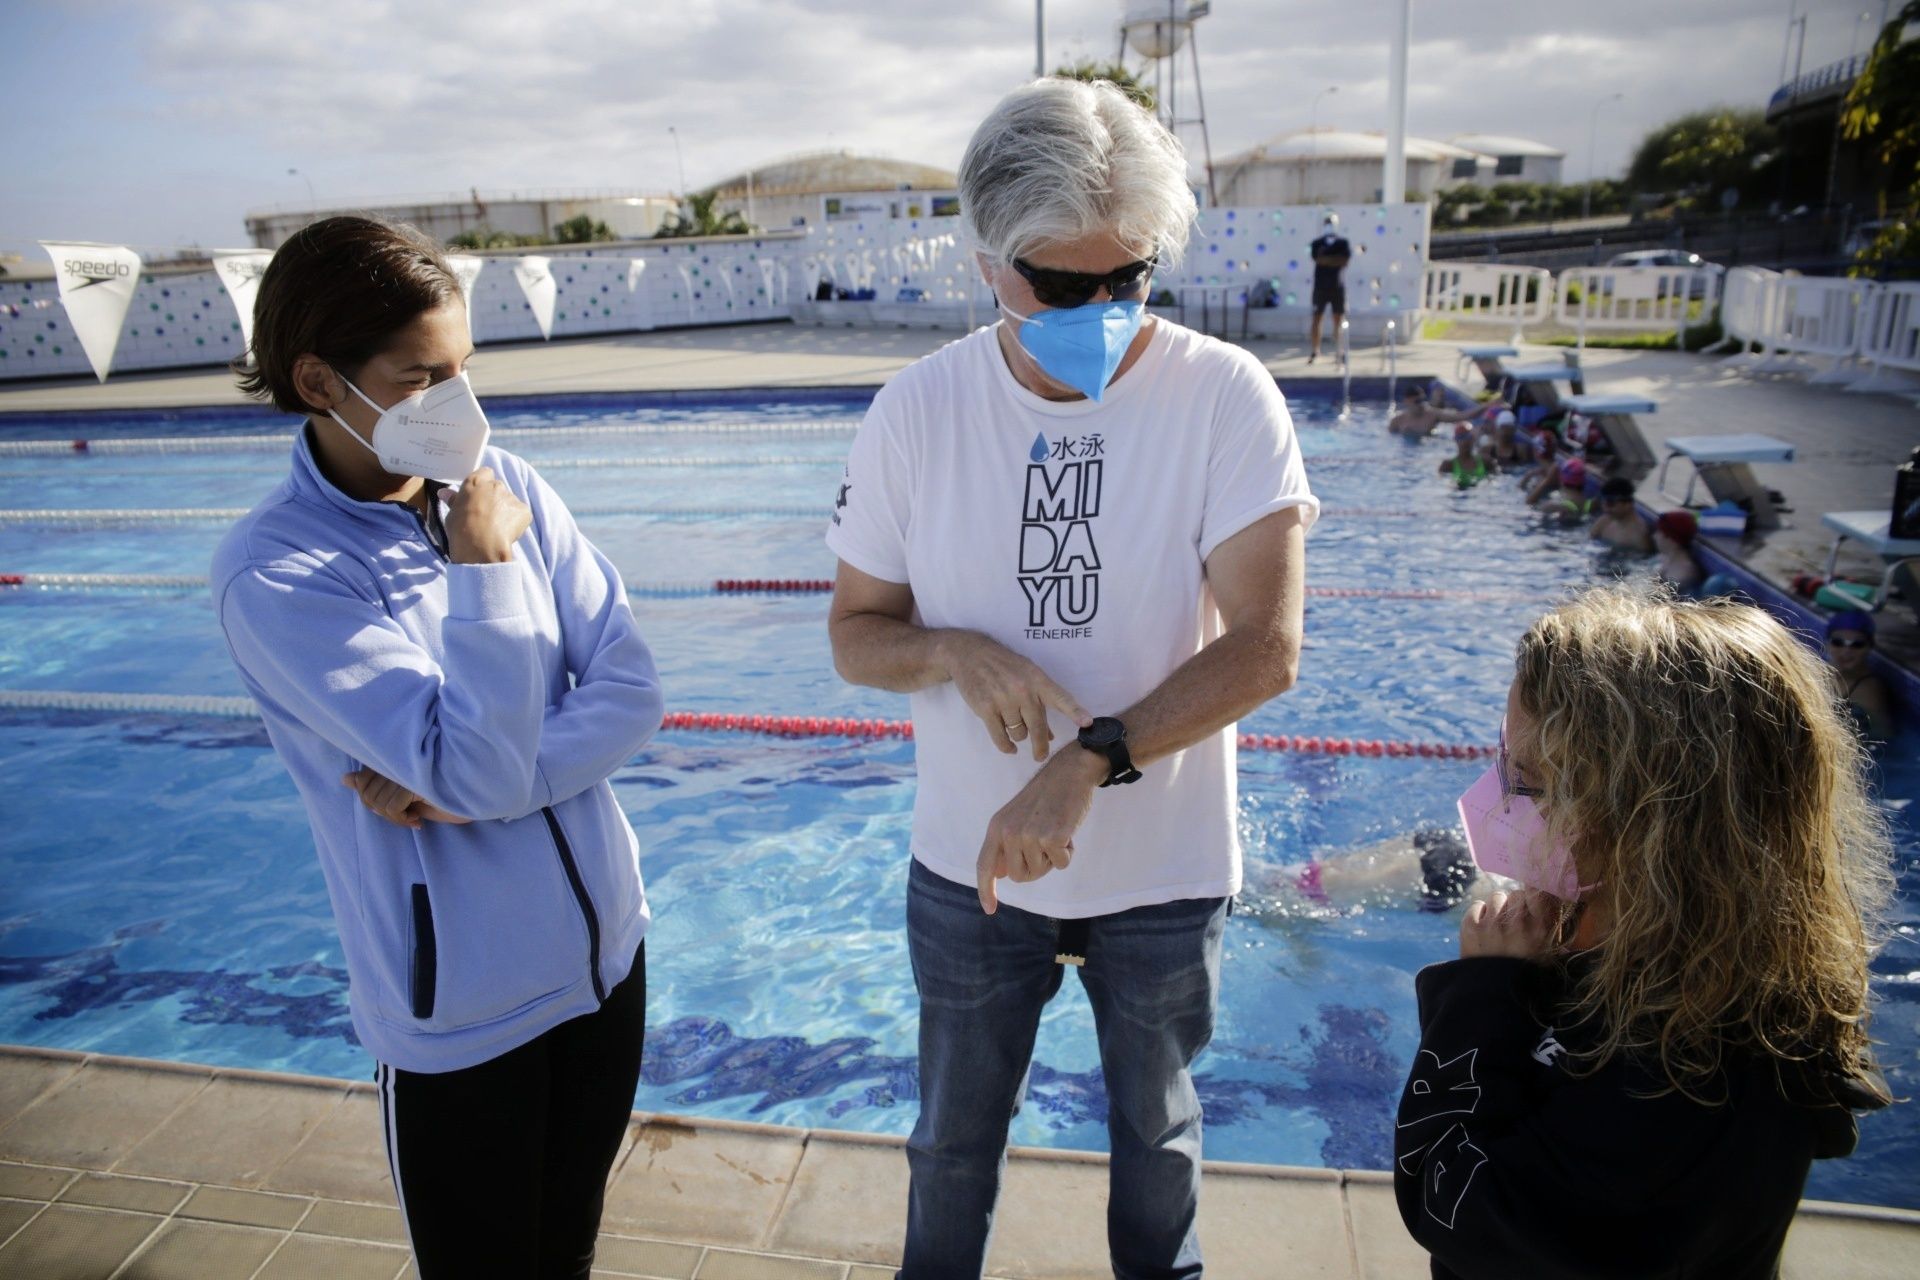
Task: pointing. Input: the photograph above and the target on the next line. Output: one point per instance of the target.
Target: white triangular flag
(636, 267)
(239, 271)
(535, 275)
(466, 269)
(766, 280)
(96, 287)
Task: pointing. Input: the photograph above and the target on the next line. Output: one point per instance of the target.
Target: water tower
(1158, 30)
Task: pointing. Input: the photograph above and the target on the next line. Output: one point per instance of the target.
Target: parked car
(1864, 234)
(1676, 259)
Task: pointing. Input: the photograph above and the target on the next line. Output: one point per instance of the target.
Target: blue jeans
(1153, 978)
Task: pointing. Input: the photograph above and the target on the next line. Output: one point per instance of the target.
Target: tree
(487, 238)
(1703, 153)
(582, 229)
(1883, 109)
(1122, 79)
(699, 219)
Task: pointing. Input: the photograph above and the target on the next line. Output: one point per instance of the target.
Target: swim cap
(1681, 526)
(1504, 418)
(1851, 620)
(1573, 473)
(1462, 431)
(1446, 868)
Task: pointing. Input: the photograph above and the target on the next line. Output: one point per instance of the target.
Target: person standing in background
(1331, 253)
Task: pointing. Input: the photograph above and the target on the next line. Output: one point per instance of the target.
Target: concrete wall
(186, 318)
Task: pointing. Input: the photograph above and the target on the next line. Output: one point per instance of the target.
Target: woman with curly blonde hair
(1635, 1059)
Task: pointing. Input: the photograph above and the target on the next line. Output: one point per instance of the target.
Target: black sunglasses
(1861, 643)
(1075, 288)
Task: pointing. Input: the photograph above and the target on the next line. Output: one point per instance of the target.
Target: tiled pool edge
(804, 1203)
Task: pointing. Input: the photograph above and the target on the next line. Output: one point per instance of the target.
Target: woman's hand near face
(1521, 925)
(484, 520)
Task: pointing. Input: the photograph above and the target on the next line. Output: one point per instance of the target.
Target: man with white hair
(1086, 526)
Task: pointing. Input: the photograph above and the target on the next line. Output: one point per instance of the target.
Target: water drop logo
(1039, 451)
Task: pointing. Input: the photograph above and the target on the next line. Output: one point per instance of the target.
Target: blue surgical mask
(1080, 347)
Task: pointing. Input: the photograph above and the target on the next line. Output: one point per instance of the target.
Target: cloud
(371, 98)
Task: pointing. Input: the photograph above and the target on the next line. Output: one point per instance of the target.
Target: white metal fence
(1637, 299)
(1889, 343)
(1518, 296)
(1749, 309)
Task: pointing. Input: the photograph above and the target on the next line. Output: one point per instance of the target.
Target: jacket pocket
(424, 965)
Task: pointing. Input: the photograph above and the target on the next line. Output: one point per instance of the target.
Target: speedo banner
(535, 275)
(240, 271)
(96, 288)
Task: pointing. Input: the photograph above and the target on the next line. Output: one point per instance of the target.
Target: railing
(1890, 338)
(1390, 360)
(1831, 76)
(1634, 298)
(1346, 371)
(1749, 311)
(1818, 316)
(1518, 295)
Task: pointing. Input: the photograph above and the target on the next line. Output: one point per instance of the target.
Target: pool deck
(123, 1169)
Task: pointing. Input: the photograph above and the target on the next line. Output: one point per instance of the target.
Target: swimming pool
(160, 896)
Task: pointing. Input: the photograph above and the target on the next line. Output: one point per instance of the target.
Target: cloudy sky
(160, 124)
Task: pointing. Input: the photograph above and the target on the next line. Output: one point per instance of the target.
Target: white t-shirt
(1076, 534)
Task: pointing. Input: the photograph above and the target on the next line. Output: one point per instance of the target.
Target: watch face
(1103, 732)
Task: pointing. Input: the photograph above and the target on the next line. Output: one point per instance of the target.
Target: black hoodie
(1506, 1165)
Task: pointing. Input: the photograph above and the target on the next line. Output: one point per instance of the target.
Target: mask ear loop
(361, 440)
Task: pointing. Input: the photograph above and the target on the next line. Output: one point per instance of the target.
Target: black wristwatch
(1107, 737)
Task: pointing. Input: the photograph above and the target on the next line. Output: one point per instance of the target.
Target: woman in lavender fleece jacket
(451, 676)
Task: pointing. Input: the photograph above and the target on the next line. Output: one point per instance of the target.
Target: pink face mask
(1508, 837)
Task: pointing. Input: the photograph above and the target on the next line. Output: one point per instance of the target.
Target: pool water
(159, 895)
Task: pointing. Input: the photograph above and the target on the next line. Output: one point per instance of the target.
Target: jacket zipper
(580, 894)
(436, 535)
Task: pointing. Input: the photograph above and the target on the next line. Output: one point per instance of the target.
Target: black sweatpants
(501, 1168)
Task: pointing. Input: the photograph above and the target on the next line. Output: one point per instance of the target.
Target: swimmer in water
(1430, 870)
(1418, 416)
(1850, 651)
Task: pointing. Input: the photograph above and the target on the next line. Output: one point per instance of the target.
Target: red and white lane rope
(717, 587)
(121, 517)
(110, 472)
(727, 722)
(507, 436)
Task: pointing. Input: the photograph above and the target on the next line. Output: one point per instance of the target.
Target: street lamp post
(313, 201)
(1313, 138)
(679, 162)
(1593, 123)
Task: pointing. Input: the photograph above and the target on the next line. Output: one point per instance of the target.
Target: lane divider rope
(540, 464)
(726, 722)
(115, 517)
(718, 587)
(507, 435)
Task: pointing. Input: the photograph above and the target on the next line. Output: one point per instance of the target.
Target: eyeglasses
(1507, 773)
(1075, 288)
(1861, 643)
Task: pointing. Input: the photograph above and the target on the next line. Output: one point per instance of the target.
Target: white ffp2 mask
(437, 433)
